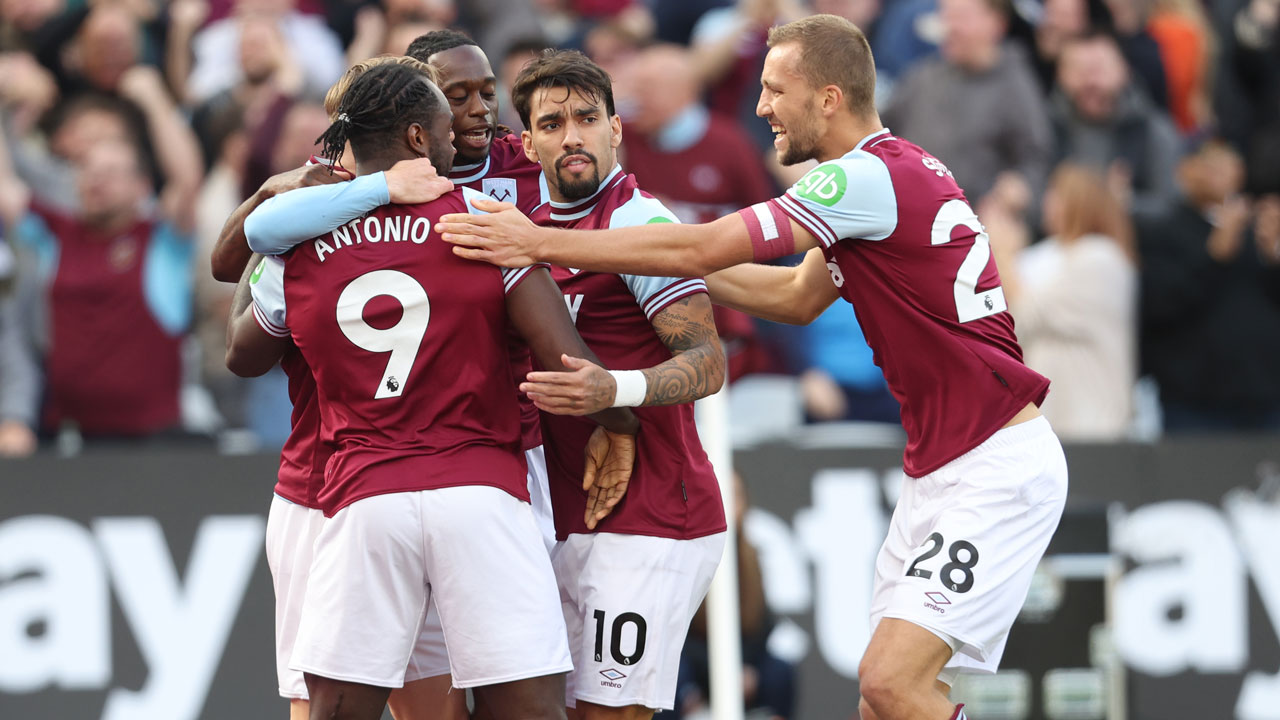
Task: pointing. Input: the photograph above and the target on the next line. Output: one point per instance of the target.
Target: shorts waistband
(1015, 435)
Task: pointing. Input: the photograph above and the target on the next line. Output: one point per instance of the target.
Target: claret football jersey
(407, 345)
(673, 491)
(906, 249)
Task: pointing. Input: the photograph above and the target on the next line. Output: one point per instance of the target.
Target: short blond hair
(333, 98)
(833, 51)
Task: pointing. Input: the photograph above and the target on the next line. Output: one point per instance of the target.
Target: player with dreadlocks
(425, 495)
(295, 517)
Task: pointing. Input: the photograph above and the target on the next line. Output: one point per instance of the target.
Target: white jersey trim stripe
(484, 170)
(767, 223)
(660, 300)
(512, 277)
(267, 326)
(810, 222)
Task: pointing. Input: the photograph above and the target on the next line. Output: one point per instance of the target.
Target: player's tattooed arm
(697, 367)
(793, 295)
(696, 370)
(231, 252)
(250, 350)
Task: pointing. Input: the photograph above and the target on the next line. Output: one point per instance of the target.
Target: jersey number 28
(402, 340)
(970, 304)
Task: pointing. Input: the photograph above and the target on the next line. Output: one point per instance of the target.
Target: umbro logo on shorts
(612, 677)
(937, 599)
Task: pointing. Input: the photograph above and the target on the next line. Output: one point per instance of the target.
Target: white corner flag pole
(724, 640)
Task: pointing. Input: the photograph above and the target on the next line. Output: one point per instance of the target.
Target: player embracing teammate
(887, 228)
(629, 586)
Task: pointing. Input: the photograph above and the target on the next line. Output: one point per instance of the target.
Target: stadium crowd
(1123, 155)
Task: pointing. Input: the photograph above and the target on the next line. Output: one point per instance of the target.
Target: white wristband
(632, 387)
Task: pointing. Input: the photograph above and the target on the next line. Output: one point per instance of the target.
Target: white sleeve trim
(265, 323)
(660, 300)
(511, 277)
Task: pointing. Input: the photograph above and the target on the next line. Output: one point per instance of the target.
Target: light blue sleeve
(653, 294)
(166, 279)
(852, 197)
(290, 218)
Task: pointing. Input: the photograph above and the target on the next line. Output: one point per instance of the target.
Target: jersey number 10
(402, 340)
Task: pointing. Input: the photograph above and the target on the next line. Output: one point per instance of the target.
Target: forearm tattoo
(697, 370)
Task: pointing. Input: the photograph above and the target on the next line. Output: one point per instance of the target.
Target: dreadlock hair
(333, 98)
(378, 105)
(424, 46)
(568, 69)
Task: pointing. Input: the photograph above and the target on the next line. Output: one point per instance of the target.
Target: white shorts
(291, 534)
(473, 550)
(965, 540)
(540, 495)
(628, 601)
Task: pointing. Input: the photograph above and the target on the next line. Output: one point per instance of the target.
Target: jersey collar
(463, 174)
(872, 138)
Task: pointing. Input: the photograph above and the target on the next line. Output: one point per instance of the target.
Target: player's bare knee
(592, 711)
(884, 689)
(865, 711)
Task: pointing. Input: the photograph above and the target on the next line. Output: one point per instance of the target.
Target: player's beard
(802, 142)
(582, 188)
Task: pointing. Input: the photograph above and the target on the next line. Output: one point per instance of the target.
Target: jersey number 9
(402, 340)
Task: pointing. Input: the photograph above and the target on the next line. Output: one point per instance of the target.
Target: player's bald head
(833, 51)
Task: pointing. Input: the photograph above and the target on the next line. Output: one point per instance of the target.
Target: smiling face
(790, 105)
(574, 139)
(472, 90)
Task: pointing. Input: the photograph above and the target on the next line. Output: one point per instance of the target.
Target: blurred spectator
(1127, 21)
(1102, 120)
(264, 37)
(908, 31)
(389, 26)
(114, 278)
(977, 107)
(675, 19)
(1211, 300)
(1181, 29)
(518, 55)
(1247, 90)
(728, 47)
(1060, 21)
(19, 374)
(840, 379)
(701, 165)
(1075, 297)
(768, 682)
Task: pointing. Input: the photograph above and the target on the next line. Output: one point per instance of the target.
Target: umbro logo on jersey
(500, 189)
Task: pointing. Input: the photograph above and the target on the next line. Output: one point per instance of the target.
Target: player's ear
(832, 98)
(615, 136)
(526, 140)
(416, 136)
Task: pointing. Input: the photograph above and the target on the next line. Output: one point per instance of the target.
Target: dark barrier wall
(133, 586)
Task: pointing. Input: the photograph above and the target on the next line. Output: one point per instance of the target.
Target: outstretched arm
(793, 295)
(506, 237)
(285, 220)
(231, 253)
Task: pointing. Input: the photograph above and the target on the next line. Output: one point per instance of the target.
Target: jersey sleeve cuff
(512, 277)
(806, 218)
(267, 326)
(676, 291)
